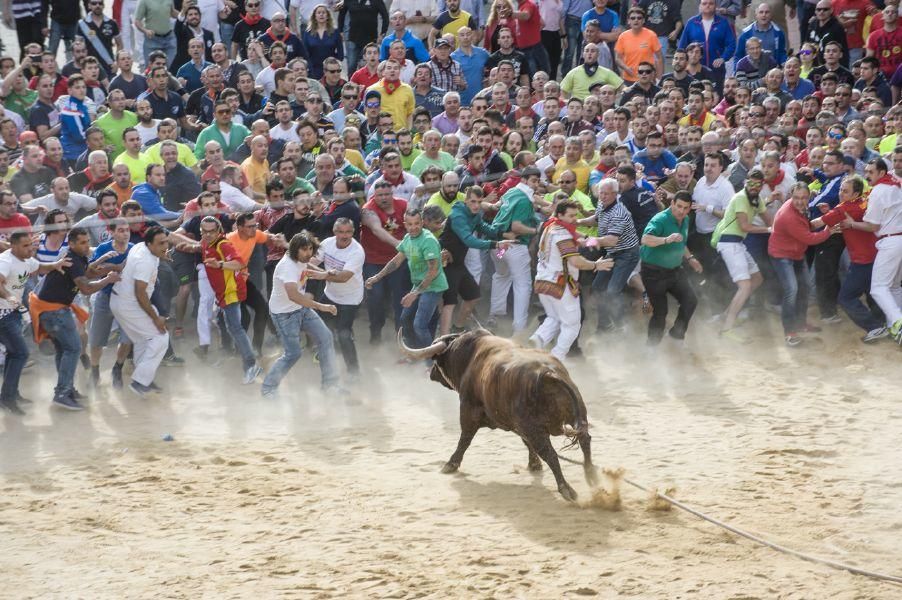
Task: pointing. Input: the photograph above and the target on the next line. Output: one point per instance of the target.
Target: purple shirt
(444, 124)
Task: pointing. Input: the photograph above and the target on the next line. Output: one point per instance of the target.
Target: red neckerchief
(395, 183)
(701, 121)
(571, 228)
(391, 86)
(251, 20)
(777, 180)
(91, 181)
(887, 180)
(283, 39)
(57, 168)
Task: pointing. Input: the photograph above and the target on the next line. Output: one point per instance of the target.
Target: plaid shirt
(443, 77)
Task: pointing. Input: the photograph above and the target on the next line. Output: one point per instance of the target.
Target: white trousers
(512, 270)
(128, 30)
(473, 263)
(149, 344)
(205, 307)
(886, 278)
(561, 321)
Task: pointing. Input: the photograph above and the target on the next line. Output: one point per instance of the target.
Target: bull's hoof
(535, 467)
(568, 493)
(450, 467)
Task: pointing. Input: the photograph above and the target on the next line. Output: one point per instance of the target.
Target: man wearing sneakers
(53, 313)
(728, 239)
(884, 217)
(17, 264)
(293, 311)
(131, 306)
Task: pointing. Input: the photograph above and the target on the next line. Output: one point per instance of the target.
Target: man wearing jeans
(153, 18)
(663, 251)
(53, 313)
(423, 254)
(17, 264)
(616, 233)
(293, 311)
(512, 267)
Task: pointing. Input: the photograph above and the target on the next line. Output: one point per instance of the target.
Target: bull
(504, 386)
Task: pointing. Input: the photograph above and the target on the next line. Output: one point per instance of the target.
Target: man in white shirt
(136, 315)
(293, 311)
(710, 197)
(342, 256)
(62, 198)
(232, 196)
(285, 127)
(17, 264)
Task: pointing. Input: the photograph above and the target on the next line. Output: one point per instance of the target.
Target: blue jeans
(419, 316)
(16, 355)
(793, 277)
(390, 289)
(165, 43)
(289, 327)
(61, 32)
(574, 30)
(232, 316)
(352, 55)
(60, 325)
(537, 58)
(609, 287)
(856, 284)
(226, 30)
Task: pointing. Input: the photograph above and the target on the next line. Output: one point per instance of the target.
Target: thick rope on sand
(773, 545)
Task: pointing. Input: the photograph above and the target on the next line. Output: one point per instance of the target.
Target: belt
(730, 238)
(155, 34)
(880, 237)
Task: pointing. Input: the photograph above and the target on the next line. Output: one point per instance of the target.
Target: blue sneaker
(67, 402)
(140, 389)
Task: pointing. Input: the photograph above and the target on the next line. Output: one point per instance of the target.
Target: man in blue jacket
(149, 195)
(416, 51)
(718, 44)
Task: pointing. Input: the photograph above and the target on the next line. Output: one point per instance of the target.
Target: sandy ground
(311, 497)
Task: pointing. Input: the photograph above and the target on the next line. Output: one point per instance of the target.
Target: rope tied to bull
(750, 536)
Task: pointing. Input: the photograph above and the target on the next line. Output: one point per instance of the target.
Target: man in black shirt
(44, 116)
(187, 30)
(181, 183)
(131, 84)
(99, 32)
(506, 51)
(301, 219)
(644, 86)
(641, 204)
(53, 308)
(680, 75)
(33, 179)
(250, 27)
(833, 53)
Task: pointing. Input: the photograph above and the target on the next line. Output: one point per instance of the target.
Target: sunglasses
(821, 10)
(644, 72)
(372, 104)
(333, 70)
(835, 136)
(806, 52)
(351, 97)
(756, 114)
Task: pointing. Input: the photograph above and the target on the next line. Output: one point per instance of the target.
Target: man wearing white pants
(557, 279)
(129, 32)
(884, 218)
(134, 312)
(512, 267)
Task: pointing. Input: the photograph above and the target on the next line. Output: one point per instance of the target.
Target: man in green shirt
(423, 254)
(115, 121)
(409, 152)
(577, 82)
(513, 266)
(230, 135)
(728, 238)
(153, 18)
(432, 155)
(662, 254)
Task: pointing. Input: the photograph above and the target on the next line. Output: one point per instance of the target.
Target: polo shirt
(473, 67)
(666, 256)
(113, 128)
(616, 220)
(528, 32)
(155, 15)
(608, 19)
(400, 104)
(136, 166)
(446, 23)
(577, 82)
(257, 173)
(172, 107)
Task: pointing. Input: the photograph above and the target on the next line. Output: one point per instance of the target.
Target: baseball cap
(442, 42)
(373, 94)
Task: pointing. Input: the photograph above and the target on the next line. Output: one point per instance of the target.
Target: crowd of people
(228, 176)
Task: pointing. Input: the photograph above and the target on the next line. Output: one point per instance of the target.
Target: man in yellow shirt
(256, 166)
(698, 114)
(167, 131)
(133, 158)
(397, 96)
(572, 161)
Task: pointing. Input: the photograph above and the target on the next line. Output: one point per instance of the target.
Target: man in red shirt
(528, 36)
(382, 220)
(886, 44)
(851, 15)
(862, 247)
(11, 220)
(366, 75)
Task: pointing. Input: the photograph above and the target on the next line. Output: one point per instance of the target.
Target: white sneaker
(251, 374)
(875, 334)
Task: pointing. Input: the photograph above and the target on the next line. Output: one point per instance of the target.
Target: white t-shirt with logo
(287, 272)
(343, 259)
(140, 265)
(15, 272)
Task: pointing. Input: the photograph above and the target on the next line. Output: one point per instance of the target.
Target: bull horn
(422, 353)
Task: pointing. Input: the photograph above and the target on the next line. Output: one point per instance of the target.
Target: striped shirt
(616, 220)
(22, 9)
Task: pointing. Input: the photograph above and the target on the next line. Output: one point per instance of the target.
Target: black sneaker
(117, 376)
(173, 361)
(23, 400)
(139, 389)
(154, 387)
(202, 352)
(76, 395)
(12, 407)
(67, 403)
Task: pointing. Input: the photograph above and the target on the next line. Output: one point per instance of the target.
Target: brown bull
(504, 386)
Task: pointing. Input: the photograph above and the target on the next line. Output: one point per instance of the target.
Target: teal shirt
(212, 134)
(515, 206)
(667, 256)
(418, 251)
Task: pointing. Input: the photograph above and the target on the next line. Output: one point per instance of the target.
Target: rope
(773, 545)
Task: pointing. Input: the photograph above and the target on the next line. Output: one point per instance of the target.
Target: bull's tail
(580, 422)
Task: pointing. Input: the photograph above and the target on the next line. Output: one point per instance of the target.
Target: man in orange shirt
(244, 239)
(638, 44)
